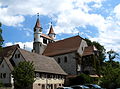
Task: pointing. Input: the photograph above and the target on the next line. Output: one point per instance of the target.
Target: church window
(82, 48)
(58, 60)
(65, 59)
(4, 75)
(45, 41)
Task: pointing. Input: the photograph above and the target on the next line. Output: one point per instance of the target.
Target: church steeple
(37, 30)
(38, 25)
(51, 32)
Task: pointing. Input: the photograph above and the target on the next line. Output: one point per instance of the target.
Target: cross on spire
(51, 23)
(37, 15)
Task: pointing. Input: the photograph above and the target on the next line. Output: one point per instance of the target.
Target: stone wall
(69, 66)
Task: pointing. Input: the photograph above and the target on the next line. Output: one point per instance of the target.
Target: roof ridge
(12, 46)
(67, 39)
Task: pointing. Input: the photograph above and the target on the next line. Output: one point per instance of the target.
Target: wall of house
(82, 46)
(17, 57)
(48, 83)
(5, 73)
(69, 66)
(40, 83)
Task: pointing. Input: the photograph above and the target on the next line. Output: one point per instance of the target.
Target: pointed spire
(51, 30)
(37, 25)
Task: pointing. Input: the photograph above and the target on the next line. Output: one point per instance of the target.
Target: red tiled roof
(51, 30)
(43, 35)
(89, 50)
(63, 46)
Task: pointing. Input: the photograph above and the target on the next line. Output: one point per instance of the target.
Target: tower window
(58, 60)
(45, 41)
(65, 59)
(82, 48)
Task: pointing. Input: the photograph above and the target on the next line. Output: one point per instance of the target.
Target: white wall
(5, 69)
(82, 47)
(17, 60)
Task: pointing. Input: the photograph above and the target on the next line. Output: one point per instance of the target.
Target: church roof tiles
(63, 46)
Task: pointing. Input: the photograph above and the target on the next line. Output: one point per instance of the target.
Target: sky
(97, 20)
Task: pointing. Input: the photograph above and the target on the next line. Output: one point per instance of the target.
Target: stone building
(69, 53)
(48, 74)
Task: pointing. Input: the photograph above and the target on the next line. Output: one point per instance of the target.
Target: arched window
(65, 59)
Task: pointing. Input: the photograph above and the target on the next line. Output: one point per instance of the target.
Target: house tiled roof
(63, 46)
(42, 63)
(89, 50)
(7, 52)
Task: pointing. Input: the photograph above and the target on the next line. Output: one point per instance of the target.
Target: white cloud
(117, 11)
(69, 15)
(27, 45)
(13, 12)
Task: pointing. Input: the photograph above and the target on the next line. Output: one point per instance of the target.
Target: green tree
(112, 55)
(80, 79)
(99, 60)
(23, 75)
(100, 48)
(1, 39)
(111, 76)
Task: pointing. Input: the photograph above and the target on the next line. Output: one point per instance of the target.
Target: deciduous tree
(23, 75)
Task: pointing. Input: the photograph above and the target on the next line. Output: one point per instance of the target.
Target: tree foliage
(100, 48)
(112, 55)
(23, 75)
(81, 79)
(111, 76)
(99, 60)
(1, 39)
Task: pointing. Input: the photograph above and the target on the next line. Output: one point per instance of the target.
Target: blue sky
(98, 20)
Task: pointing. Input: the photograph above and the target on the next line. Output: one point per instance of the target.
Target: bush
(81, 79)
(1, 84)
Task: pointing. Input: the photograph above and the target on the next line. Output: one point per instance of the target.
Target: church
(53, 60)
(70, 53)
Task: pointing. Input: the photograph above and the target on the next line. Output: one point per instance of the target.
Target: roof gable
(63, 46)
(6, 54)
(89, 50)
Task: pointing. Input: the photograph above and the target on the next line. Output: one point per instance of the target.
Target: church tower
(37, 45)
(41, 40)
(51, 32)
